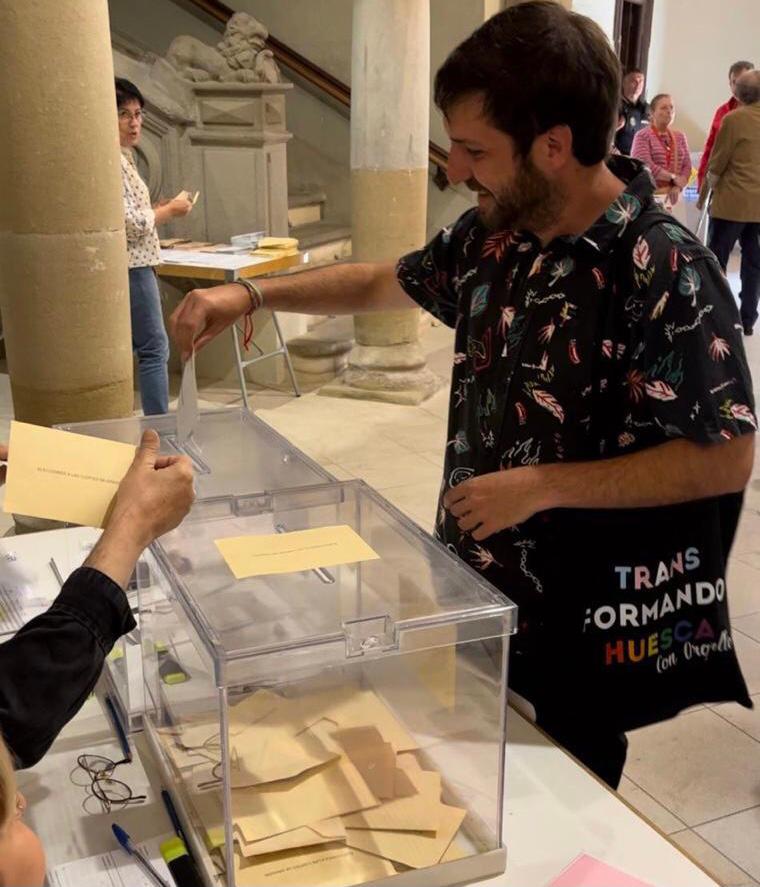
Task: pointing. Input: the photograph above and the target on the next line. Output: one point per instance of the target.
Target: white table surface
(554, 810)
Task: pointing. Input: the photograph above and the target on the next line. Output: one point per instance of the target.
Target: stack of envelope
(326, 789)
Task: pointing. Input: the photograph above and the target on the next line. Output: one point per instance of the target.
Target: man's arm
(48, 669)
(668, 474)
(339, 289)
(705, 161)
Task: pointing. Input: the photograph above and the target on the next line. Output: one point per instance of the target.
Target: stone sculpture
(240, 57)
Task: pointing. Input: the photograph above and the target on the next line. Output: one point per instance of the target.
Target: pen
(121, 735)
(172, 812)
(176, 852)
(56, 572)
(126, 842)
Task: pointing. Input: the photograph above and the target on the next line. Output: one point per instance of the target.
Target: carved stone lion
(239, 57)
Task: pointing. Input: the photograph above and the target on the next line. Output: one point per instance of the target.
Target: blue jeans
(149, 340)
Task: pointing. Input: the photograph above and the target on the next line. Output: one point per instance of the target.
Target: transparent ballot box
(231, 451)
(340, 714)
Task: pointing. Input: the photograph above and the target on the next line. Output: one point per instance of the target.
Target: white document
(209, 260)
(187, 405)
(114, 869)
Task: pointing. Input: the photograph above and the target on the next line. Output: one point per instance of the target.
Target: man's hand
(486, 504)
(204, 313)
(153, 498)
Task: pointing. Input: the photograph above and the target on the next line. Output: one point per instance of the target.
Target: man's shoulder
(658, 239)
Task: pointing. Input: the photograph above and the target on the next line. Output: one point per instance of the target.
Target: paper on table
(329, 866)
(187, 405)
(114, 869)
(326, 832)
(63, 476)
(586, 871)
(411, 848)
(293, 552)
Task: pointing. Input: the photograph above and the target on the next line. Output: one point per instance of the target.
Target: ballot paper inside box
(339, 724)
(231, 450)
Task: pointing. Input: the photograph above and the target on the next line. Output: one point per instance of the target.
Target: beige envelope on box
(418, 813)
(330, 830)
(63, 476)
(328, 866)
(276, 807)
(293, 552)
(411, 848)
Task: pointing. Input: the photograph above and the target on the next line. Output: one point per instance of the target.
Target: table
(554, 809)
(227, 268)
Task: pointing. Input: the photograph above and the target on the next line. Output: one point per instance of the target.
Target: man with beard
(594, 372)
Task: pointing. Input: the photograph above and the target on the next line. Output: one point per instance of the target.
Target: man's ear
(553, 149)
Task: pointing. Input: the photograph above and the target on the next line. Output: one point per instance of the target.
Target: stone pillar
(390, 113)
(63, 270)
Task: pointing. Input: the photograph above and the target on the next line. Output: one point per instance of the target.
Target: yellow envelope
(411, 848)
(260, 755)
(417, 813)
(328, 866)
(352, 707)
(293, 552)
(276, 807)
(63, 476)
(329, 831)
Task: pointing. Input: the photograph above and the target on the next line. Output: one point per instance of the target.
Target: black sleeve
(432, 276)
(49, 668)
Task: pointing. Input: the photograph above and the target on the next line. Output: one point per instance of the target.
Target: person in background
(734, 73)
(634, 111)
(149, 339)
(664, 150)
(734, 176)
(50, 666)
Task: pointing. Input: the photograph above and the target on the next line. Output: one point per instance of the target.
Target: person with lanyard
(51, 665)
(734, 73)
(664, 150)
(634, 110)
(601, 401)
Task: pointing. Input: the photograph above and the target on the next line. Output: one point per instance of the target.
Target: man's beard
(528, 203)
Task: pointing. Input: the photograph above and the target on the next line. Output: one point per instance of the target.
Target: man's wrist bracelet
(254, 294)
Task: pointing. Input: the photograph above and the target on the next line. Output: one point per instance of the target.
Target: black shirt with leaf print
(590, 347)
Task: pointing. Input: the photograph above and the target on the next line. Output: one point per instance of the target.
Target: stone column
(63, 271)
(390, 113)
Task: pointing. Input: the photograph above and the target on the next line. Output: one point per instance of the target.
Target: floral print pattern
(588, 347)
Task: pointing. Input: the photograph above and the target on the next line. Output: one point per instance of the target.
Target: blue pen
(122, 736)
(126, 842)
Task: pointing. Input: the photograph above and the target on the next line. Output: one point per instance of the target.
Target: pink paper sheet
(585, 871)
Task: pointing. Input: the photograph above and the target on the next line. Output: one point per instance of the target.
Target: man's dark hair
(630, 71)
(740, 68)
(126, 91)
(748, 88)
(538, 66)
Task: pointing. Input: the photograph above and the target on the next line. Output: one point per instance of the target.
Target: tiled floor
(696, 777)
